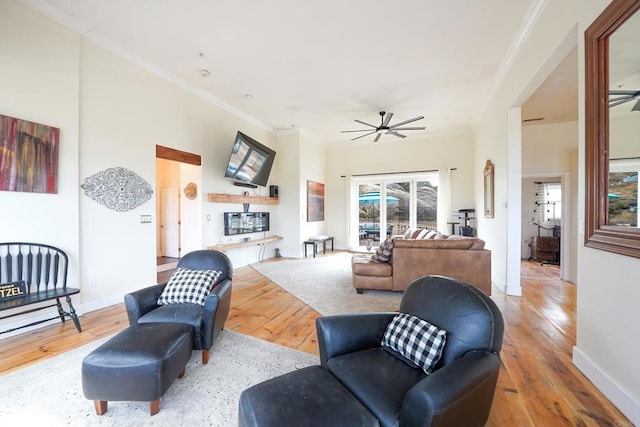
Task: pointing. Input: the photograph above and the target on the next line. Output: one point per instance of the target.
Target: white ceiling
(319, 65)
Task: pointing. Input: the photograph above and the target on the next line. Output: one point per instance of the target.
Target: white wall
(608, 294)
(431, 153)
(39, 73)
(607, 318)
(291, 193)
(312, 168)
(111, 113)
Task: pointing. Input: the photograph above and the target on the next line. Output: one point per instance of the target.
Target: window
(387, 205)
(548, 203)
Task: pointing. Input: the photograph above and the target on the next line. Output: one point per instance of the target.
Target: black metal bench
(32, 273)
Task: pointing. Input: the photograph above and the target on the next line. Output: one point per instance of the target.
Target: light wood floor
(538, 384)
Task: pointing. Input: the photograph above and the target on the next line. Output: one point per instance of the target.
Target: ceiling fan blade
(625, 92)
(386, 120)
(377, 137)
(366, 124)
(410, 128)
(406, 121)
(394, 133)
(362, 136)
(619, 101)
(359, 130)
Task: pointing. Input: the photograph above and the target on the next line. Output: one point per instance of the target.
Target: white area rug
(324, 283)
(50, 393)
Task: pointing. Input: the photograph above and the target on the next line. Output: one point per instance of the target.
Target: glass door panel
(427, 204)
(368, 213)
(398, 201)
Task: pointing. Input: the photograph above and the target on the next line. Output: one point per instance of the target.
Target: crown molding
(532, 17)
(90, 34)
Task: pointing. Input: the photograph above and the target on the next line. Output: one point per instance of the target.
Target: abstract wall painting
(28, 156)
(117, 188)
(315, 201)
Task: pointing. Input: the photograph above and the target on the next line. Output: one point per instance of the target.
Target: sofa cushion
(416, 340)
(383, 253)
(188, 286)
(362, 266)
(452, 242)
(408, 233)
(421, 234)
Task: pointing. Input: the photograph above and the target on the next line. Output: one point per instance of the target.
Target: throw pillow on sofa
(189, 286)
(417, 341)
(383, 253)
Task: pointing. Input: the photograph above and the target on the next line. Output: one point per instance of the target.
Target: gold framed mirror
(612, 150)
(488, 190)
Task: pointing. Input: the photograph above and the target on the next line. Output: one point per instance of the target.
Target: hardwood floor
(538, 384)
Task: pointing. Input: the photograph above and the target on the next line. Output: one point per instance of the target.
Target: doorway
(179, 222)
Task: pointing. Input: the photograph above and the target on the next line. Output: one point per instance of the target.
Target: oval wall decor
(191, 191)
(117, 188)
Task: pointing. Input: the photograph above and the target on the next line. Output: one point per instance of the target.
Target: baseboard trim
(167, 267)
(618, 396)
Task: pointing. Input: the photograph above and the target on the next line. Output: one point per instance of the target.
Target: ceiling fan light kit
(385, 128)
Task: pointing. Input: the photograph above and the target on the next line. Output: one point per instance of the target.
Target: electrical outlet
(208, 217)
(92, 282)
(145, 219)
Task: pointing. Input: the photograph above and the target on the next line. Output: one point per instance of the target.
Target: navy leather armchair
(207, 321)
(459, 391)
(361, 383)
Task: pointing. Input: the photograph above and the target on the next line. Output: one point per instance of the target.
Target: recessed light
(248, 96)
(294, 108)
(204, 73)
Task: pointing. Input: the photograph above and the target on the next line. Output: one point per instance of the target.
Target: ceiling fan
(617, 97)
(385, 128)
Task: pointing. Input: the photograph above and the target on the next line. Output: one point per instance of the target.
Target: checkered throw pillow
(416, 340)
(189, 286)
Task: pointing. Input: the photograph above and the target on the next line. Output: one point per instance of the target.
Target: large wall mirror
(612, 114)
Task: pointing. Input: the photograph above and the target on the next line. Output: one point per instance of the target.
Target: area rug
(324, 283)
(50, 392)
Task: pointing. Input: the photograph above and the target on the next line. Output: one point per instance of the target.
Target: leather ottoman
(140, 364)
(307, 397)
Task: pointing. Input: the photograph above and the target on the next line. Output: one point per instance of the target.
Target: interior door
(170, 222)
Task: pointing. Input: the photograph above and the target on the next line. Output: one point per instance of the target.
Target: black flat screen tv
(250, 162)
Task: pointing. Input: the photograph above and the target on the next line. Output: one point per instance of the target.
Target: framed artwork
(28, 156)
(315, 201)
(488, 190)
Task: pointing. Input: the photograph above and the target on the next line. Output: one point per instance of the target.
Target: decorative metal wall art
(117, 188)
(28, 156)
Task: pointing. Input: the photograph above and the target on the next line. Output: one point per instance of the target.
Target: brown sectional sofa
(461, 258)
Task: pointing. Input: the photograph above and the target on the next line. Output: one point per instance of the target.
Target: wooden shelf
(226, 246)
(237, 198)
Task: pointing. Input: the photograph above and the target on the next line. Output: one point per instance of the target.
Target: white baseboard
(618, 396)
(102, 303)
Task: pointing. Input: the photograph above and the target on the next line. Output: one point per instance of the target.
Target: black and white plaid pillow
(189, 286)
(416, 340)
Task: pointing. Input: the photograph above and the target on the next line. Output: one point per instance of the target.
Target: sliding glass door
(384, 206)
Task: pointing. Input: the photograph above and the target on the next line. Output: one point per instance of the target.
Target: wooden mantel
(237, 198)
(226, 246)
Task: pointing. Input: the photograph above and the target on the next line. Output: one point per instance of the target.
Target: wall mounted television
(245, 222)
(250, 162)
